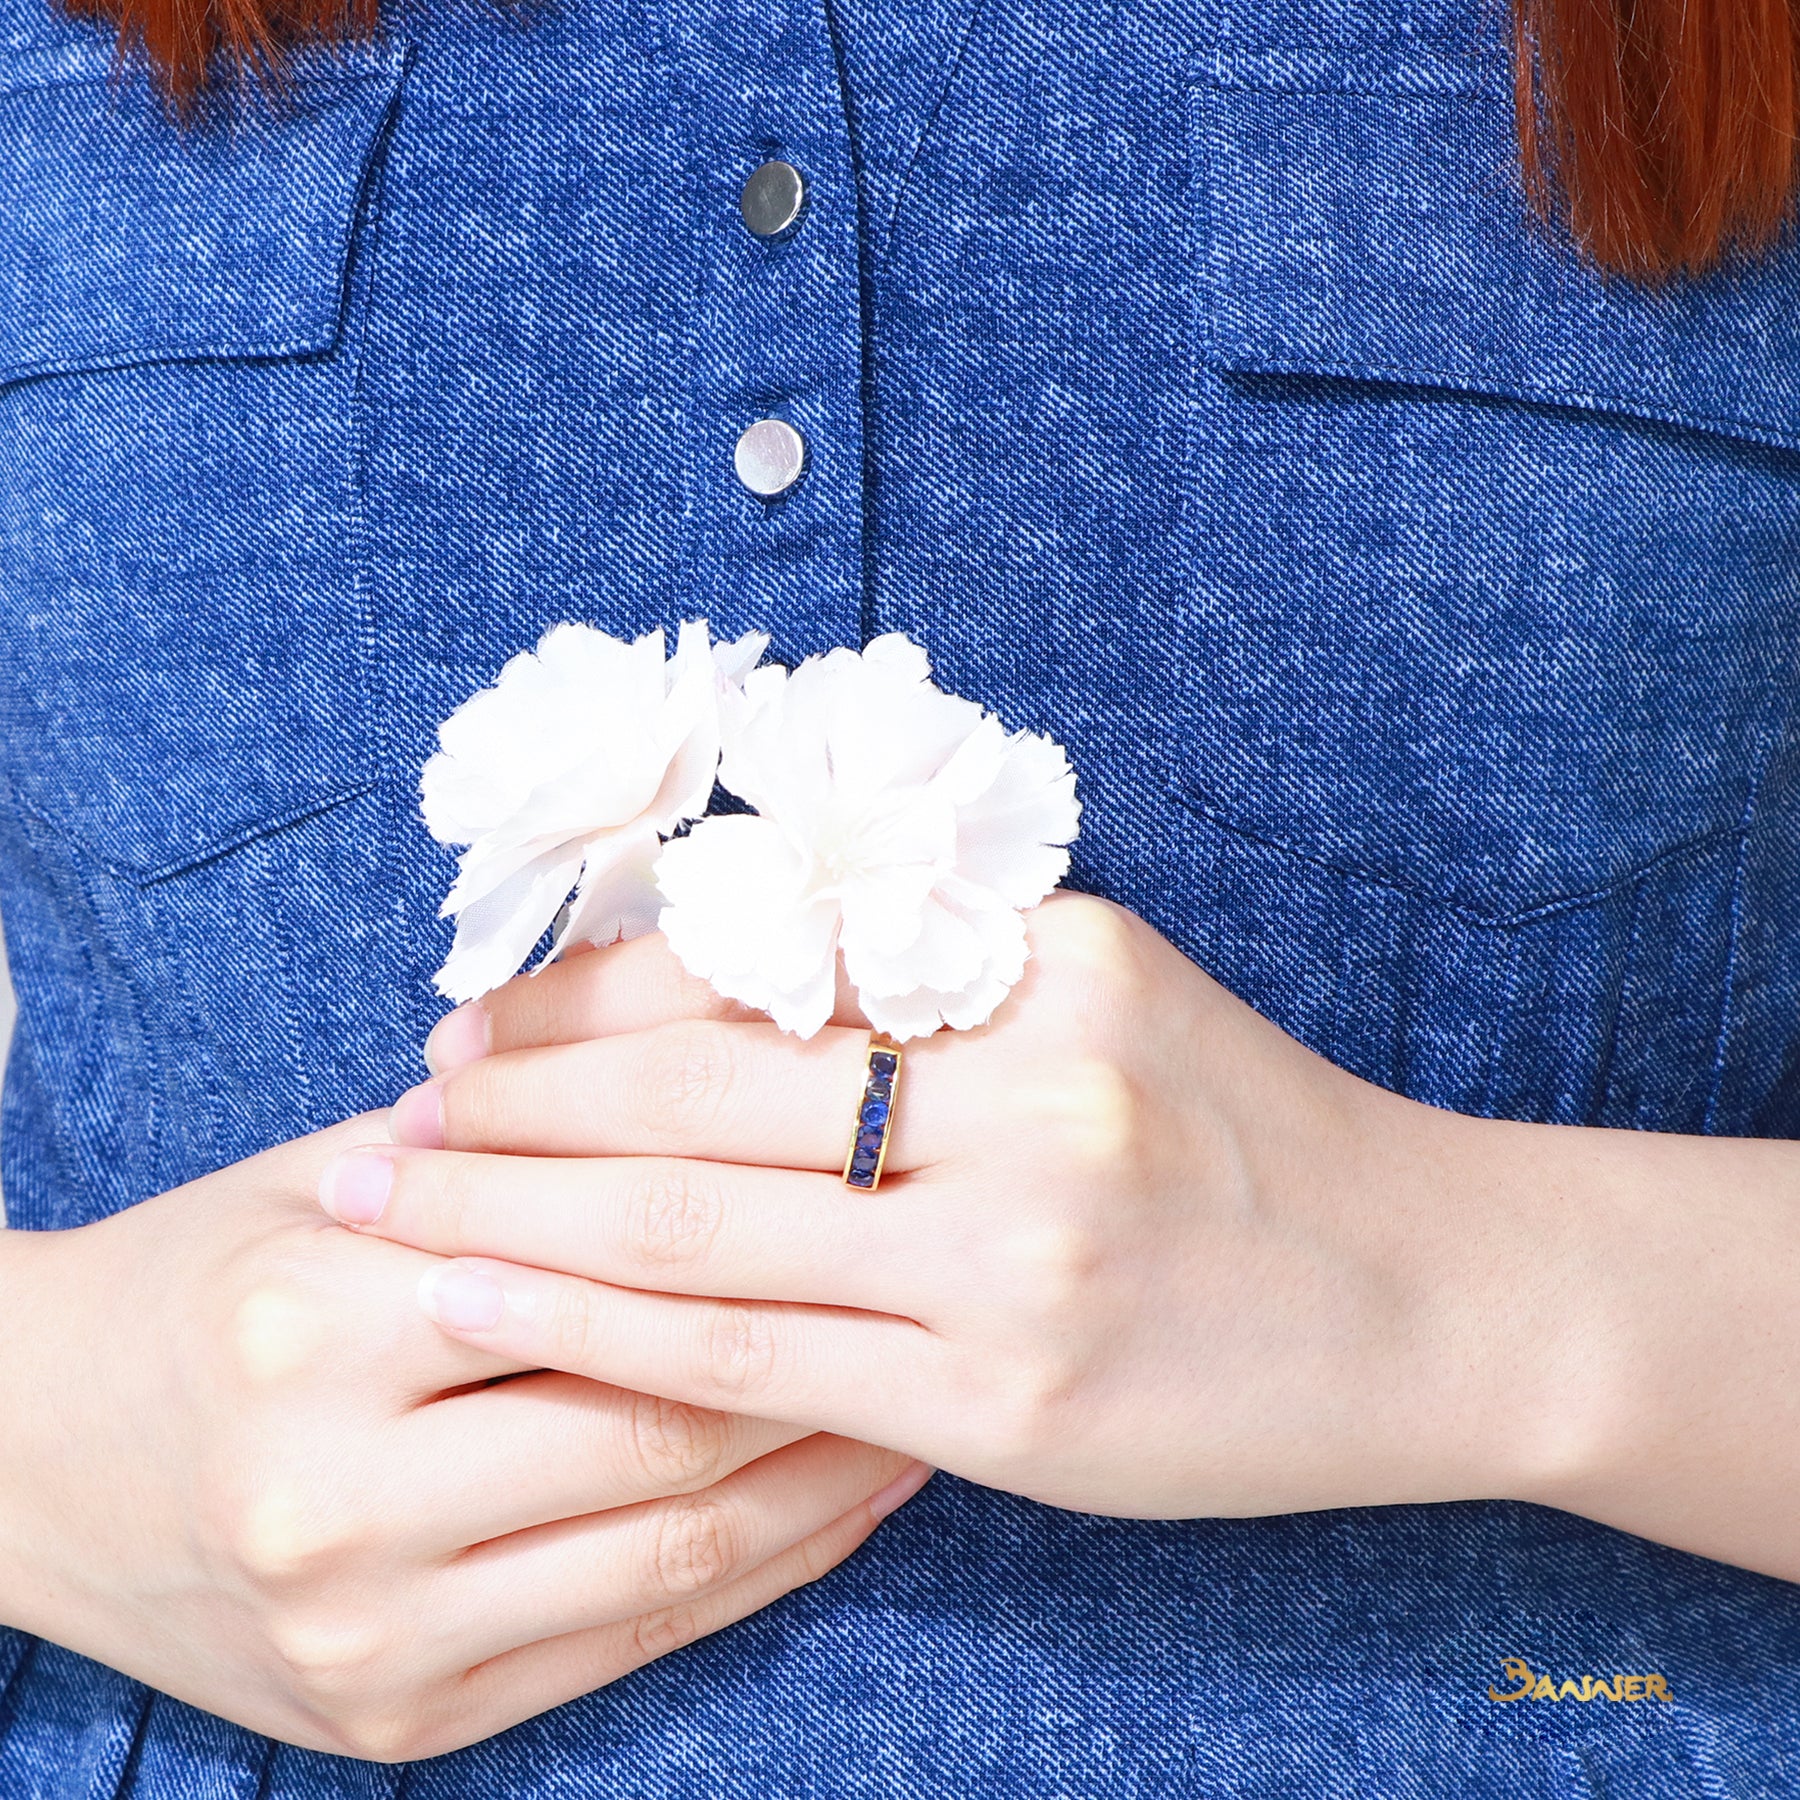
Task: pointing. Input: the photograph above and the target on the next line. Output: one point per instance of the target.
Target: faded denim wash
(1420, 610)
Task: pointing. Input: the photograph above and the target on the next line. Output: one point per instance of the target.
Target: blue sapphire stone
(861, 1177)
(884, 1062)
(875, 1113)
(870, 1140)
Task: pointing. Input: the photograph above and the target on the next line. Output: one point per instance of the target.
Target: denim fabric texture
(1420, 610)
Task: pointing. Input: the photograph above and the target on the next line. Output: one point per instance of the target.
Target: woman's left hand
(1135, 1250)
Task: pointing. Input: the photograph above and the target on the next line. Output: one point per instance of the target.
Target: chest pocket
(1520, 614)
(179, 660)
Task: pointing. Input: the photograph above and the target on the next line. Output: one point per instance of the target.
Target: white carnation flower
(568, 773)
(896, 824)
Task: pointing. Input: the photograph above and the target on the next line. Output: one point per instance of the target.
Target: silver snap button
(770, 457)
(773, 199)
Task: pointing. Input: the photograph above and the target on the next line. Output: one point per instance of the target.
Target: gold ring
(864, 1160)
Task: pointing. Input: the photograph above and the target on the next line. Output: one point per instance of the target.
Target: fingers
(314, 1315)
(617, 1565)
(625, 987)
(724, 1092)
(733, 1230)
(859, 1374)
(546, 1447)
(531, 1680)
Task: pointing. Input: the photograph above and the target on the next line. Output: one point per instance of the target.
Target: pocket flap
(158, 244)
(1364, 223)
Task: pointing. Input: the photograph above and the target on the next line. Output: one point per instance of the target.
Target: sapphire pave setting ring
(874, 1116)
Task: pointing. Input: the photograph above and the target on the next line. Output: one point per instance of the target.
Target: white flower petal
(913, 1011)
(883, 910)
(585, 751)
(617, 896)
(947, 954)
(1012, 834)
(899, 821)
(495, 935)
(736, 659)
(894, 653)
(489, 863)
(739, 915)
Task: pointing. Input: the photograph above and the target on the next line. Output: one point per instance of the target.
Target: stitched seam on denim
(368, 217)
(1448, 380)
(265, 827)
(1499, 1014)
(134, 1752)
(81, 877)
(951, 71)
(265, 1774)
(201, 1069)
(1621, 993)
(1764, 1708)
(1357, 87)
(1593, 1783)
(867, 615)
(66, 1167)
(14, 1646)
(1734, 938)
(1470, 915)
(133, 354)
(265, 858)
(214, 848)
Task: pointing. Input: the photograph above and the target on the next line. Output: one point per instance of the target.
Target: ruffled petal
(495, 935)
(616, 897)
(907, 1011)
(1016, 819)
(946, 954)
(580, 757)
(738, 914)
(735, 660)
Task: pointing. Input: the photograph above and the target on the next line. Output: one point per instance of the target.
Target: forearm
(1643, 1314)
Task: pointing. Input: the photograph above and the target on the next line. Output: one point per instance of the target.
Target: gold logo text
(1531, 1686)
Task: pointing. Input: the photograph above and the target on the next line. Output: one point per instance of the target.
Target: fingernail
(900, 1490)
(459, 1037)
(417, 1118)
(461, 1298)
(355, 1186)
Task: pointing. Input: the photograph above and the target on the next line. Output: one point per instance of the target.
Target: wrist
(1504, 1351)
(31, 1265)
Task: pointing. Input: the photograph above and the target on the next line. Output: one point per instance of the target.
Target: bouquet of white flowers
(892, 825)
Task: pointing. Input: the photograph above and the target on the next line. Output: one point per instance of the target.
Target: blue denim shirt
(1420, 610)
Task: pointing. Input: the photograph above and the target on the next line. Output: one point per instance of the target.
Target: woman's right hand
(243, 1467)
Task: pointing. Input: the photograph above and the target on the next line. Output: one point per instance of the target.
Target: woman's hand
(1136, 1251)
(241, 1466)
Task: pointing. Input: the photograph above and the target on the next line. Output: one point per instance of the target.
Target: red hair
(188, 43)
(1661, 132)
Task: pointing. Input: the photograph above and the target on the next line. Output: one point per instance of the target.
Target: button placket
(771, 455)
(774, 338)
